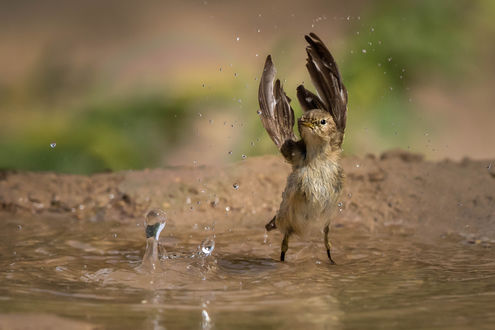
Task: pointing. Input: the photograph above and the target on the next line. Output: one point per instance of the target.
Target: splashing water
(155, 222)
(207, 246)
(53, 145)
(206, 321)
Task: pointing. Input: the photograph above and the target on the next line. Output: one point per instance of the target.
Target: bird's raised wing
(276, 115)
(326, 77)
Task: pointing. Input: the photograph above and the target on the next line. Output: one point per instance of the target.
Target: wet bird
(315, 183)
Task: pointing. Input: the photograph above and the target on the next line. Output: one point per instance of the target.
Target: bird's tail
(271, 225)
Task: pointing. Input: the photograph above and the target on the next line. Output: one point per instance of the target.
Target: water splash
(207, 246)
(205, 320)
(155, 222)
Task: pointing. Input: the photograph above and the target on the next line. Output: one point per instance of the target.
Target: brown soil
(398, 190)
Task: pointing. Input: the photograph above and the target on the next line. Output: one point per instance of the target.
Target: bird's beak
(307, 123)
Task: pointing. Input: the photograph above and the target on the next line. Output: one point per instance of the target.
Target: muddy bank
(396, 189)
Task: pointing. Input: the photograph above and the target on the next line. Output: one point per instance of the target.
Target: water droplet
(237, 39)
(155, 222)
(206, 322)
(340, 204)
(53, 145)
(244, 156)
(259, 30)
(227, 208)
(389, 59)
(207, 246)
(372, 29)
(357, 165)
(236, 186)
(364, 51)
(258, 112)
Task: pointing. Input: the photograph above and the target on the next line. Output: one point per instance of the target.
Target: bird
(315, 183)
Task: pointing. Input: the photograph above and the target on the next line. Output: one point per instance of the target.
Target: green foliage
(124, 134)
(399, 44)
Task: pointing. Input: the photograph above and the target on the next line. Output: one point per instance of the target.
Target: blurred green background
(124, 85)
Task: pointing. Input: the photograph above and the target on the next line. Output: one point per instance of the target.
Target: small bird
(315, 183)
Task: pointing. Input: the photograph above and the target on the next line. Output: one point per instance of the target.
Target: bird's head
(317, 127)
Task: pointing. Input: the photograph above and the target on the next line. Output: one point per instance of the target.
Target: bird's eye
(323, 122)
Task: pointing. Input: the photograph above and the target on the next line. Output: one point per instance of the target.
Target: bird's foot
(330, 257)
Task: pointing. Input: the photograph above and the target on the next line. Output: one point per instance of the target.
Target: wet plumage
(315, 183)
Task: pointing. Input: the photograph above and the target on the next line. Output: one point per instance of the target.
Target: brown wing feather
(308, 100)
(327, 80)
(276, 115)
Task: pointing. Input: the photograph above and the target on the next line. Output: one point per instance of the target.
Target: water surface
(89, 273)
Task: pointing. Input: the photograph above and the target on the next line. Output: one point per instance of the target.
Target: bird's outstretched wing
(327, 80)
(276, 115)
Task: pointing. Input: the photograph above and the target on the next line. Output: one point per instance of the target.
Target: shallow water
(389, 278)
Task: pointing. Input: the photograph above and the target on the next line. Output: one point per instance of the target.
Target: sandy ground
(396, 189)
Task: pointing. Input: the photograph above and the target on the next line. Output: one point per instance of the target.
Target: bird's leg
(285, 246)
(327, 243)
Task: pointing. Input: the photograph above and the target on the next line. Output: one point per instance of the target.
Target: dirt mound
(397, 189)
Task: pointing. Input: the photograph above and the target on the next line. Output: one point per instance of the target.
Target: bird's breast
(319, 183)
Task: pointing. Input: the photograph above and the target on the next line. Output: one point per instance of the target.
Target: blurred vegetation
(385, 52)
(130, 133)
(396, 46)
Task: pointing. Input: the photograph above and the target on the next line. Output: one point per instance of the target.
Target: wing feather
(276, 115)
(308, 100)
(327, 80)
